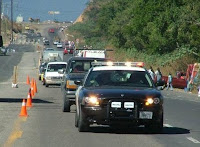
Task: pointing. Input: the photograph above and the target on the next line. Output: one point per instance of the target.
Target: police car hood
(114, 92)
(76, 76)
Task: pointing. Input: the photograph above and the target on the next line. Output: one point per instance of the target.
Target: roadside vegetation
(6, 29)
(164, 33)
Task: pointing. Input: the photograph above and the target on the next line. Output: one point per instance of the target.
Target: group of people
(157, 77)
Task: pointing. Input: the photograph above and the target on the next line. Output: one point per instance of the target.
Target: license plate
(128, 104)
(116, 104)
(146, 115)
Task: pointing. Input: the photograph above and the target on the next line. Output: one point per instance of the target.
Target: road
(48, 126)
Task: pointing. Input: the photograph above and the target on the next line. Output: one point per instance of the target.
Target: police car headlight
(48, 78)
(150, 101)
(92, 100)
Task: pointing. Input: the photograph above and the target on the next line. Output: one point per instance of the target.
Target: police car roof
(100, 68)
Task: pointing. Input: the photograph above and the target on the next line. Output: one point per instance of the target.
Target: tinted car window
(118, 78)
(80, 66)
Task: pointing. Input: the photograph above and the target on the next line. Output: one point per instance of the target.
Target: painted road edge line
(193, 140)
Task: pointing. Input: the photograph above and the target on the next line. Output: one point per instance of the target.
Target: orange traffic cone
(23, 112)
(35, 87)
(29, 100)
(32, 88)
(28, 80)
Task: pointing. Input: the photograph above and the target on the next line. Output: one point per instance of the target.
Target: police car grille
(122, 112)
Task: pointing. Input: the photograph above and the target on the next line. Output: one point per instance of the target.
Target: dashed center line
(189, 138)
(193, 140)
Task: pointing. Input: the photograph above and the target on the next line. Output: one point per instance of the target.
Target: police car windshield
(118, 78)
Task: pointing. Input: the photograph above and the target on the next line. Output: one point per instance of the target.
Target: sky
(69, 9)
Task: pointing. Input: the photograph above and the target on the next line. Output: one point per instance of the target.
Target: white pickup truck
(52, 75)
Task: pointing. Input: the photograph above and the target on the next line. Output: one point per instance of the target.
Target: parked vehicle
(51, 30)
(178, 82)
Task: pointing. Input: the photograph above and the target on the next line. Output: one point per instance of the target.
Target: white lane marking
(181, 99)
(193, 140)
(167, 125)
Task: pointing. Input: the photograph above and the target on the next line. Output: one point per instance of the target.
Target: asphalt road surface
(48, 126)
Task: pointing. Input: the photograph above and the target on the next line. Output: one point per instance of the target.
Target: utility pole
(0, 14)
(11, 21)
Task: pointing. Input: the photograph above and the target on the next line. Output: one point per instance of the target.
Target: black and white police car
(116, 94)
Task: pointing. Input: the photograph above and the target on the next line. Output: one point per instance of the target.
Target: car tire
(43, 82)
(66, 103)
(76, 120)
(113, 127)
(46, 85)
(83, 125)
(155, 127)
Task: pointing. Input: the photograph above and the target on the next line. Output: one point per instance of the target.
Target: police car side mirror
(78, 82)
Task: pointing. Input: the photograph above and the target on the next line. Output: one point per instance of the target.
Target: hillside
(6, 29)
(162, 33)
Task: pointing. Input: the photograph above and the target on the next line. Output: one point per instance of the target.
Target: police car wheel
(113, 127)
(76, 120)
(66, 103)
(43, 82)
(155, 127)
(46, 85)
(83, 125)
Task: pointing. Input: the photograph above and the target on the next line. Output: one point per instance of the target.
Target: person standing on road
(158, 75)
(151, 72)
(169, 82)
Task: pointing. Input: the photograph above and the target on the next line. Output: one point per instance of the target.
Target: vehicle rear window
(80, 66)
(55, 67)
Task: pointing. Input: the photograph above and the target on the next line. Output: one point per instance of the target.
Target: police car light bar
(131, 64)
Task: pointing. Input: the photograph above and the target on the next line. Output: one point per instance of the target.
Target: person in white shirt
(158, 75)
(152, 74)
